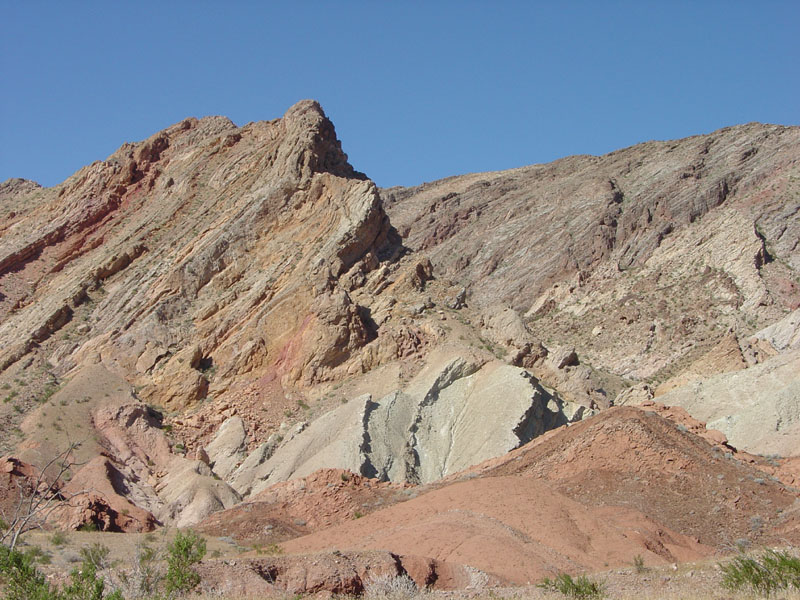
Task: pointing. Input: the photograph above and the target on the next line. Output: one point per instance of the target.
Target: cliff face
(205, 248)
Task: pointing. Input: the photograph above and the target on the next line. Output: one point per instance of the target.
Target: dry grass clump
(390, 587)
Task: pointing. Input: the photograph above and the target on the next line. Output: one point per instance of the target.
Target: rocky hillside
(673, 244)
(218, 313)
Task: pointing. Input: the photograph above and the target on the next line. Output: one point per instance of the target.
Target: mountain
(219, 318)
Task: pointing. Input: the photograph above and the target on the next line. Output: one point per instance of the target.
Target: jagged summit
(160, 229)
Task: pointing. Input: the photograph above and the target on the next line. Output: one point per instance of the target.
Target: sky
(417, 90)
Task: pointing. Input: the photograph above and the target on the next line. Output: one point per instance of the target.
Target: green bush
(185, 550)
(23, 581)
(86, 585)
(638, 564)
(582, 587)
(58, 539)
(766, 574)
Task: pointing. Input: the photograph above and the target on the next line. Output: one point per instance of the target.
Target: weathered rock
(699, 234)
(232, 269)
(556, 367)
(784, 334)
(228, 448)
(770, 425)
(190, 493)
(635, 395)
(726, 356)
(101, 494)
(331, 573)
(454, 414)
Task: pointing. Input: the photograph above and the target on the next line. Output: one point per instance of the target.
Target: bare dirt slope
(515, 528)
(639, 459)
(628, 481)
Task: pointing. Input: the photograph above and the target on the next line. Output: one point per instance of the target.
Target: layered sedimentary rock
(220, 308)
(207, 246)
(641, 259)
(454, 414)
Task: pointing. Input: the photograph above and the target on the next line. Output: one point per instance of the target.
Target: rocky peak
(322, 150)
(205, 244)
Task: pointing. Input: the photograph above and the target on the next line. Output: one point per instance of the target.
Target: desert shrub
(144, 578)
(770, 572)
(638, 564)
(86, 585)
(95, 555)
(37, 555)
(390, 587)
(185, 550)
(580, 587)
(22, 580)
(58, 539)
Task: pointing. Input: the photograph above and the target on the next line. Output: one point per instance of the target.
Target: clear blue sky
(417, 90)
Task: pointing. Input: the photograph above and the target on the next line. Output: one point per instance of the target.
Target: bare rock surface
(191, 492)
(228, 448)
(455, 413)
(204, 247)
(770, 425)
(331, 574)
(641, 259)
(238, 337)
(784, 334)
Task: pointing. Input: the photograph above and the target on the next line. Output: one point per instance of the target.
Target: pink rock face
(251, 227)
(93, 499)
(328, 574)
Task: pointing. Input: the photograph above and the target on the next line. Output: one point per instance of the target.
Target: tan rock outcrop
(770, 425)
(455, 413)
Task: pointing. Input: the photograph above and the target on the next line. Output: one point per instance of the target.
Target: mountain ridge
(221, 312)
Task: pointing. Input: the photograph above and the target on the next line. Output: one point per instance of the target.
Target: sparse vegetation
(395, 587)
(772, 571)
(270, 549)
(638, 564)
(581, 587)
(58, 539)
(146, 575)
(38, 499)
(23, 581)
(96, 555)
(185, 550)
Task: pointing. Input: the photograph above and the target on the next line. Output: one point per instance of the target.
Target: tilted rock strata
(770, 425)
(206, 246)
(638, 258)
(454, 414)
